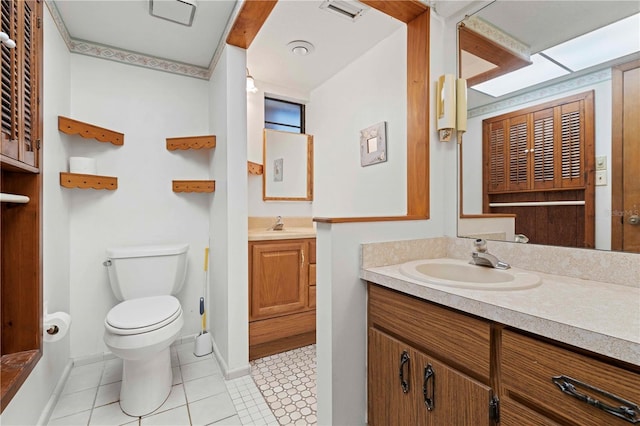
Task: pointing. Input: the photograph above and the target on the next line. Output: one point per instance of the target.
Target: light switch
(601, 177)
(601, 163)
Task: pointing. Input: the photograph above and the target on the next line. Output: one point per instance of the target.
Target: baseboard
(55, 396)
(229, 374)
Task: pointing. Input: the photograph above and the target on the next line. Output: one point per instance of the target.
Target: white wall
(255, 126)
(147, 106)
(229, 288)
(345, 191)
(472, 178)
(31, 399)
(371, 89)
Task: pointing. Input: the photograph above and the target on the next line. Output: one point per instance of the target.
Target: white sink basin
(461, 274)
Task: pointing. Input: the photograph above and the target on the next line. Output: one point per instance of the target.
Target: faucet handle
(480, 245)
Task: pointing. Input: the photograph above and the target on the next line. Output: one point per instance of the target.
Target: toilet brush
(203, 344)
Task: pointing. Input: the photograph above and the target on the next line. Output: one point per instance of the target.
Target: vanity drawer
(312, 251)
(463, 341)
(528, 367)
(312, 274)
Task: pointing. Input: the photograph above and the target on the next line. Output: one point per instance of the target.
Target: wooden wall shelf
(194, 185)
(77, 180)
(254, 168)
(75, 127)
(191, 142)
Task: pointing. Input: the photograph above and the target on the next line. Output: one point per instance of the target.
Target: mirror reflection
(288, 166)
(548, 156)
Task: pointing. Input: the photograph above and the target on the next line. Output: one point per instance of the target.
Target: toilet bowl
(141, 328)
(140, 331)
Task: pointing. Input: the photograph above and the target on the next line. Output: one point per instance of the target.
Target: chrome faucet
(279, 225)
(482, 257)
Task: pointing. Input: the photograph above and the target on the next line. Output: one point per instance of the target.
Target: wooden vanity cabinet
(426, 365)
(281, 304)
(482, 372)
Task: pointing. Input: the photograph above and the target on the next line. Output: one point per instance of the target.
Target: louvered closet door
(20, 81)
(542, 150)
(518, 161)
(9, 58)
(572, 145)
(495, 161)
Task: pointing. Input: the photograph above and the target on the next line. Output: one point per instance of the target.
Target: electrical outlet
(601, 177)
(601, 163)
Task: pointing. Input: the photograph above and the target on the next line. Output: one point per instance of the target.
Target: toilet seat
(142, 315)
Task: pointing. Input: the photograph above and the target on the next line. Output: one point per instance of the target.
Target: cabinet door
(495, 156)
(572, 141)
(448, 397)
(543, 149)
(518, 160)
(433, 394)
(278, 278)
(392, 382)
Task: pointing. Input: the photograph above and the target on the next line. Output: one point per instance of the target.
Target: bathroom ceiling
(124, 30)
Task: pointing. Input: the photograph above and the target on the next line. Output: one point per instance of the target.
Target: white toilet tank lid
(144, 251)
(142, 312)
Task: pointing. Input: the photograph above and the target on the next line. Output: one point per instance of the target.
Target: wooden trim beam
(251, 18)
(404, 11)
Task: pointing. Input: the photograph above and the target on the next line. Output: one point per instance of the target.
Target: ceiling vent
(350, 10)
(178, 11)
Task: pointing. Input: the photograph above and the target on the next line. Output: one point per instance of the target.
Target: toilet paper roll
(56, 326)
(83, 165)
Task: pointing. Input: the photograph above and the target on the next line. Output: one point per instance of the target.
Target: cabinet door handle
(429, 387)
(628, 410)
(302, 264)
(404, 360)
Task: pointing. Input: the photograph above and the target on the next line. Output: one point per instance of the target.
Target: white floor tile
(108, 394)
(211, 409)
(77, 419)
(74, 403)
(176, 417)
(201, 388)
(200, 369)
(112, 372)
(87, 377)
(110, 415)
(230, 421)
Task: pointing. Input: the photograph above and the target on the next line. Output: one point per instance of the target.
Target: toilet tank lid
(145, 251)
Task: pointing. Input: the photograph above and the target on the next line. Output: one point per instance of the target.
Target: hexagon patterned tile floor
(288, 383)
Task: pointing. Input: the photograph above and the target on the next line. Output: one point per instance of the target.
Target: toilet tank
(142, 271)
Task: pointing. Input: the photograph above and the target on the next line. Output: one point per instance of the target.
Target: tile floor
(288, 383)
(199, 396)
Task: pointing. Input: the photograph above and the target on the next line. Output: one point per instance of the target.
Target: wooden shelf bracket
(254, 168)
(77, 180)
(194, 185)
(191, 142)
(89, 131)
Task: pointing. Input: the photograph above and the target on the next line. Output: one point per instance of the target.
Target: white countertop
(288, 233)
(599, 317)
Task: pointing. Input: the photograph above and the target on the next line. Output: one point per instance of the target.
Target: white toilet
(141, 328)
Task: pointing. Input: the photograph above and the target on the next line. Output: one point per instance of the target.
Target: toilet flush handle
(107, 263)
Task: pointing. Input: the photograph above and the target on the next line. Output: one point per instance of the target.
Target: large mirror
(288, 166)
(522, 32)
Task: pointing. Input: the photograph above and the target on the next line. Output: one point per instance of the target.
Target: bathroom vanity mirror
(612, 178)
(288, 166)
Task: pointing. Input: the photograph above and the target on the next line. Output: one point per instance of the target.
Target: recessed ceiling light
(301, 47)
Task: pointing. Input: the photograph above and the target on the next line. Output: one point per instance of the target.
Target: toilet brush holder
(203, 344)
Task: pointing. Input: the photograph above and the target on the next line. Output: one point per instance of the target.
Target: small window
(283, 115)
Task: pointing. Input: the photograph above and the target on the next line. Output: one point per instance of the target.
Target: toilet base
(146, 383)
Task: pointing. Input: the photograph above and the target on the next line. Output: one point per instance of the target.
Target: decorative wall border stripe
(544, 92)
(88, 48)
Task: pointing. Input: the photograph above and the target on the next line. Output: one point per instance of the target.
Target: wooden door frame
(416, 15)
(617, 96)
